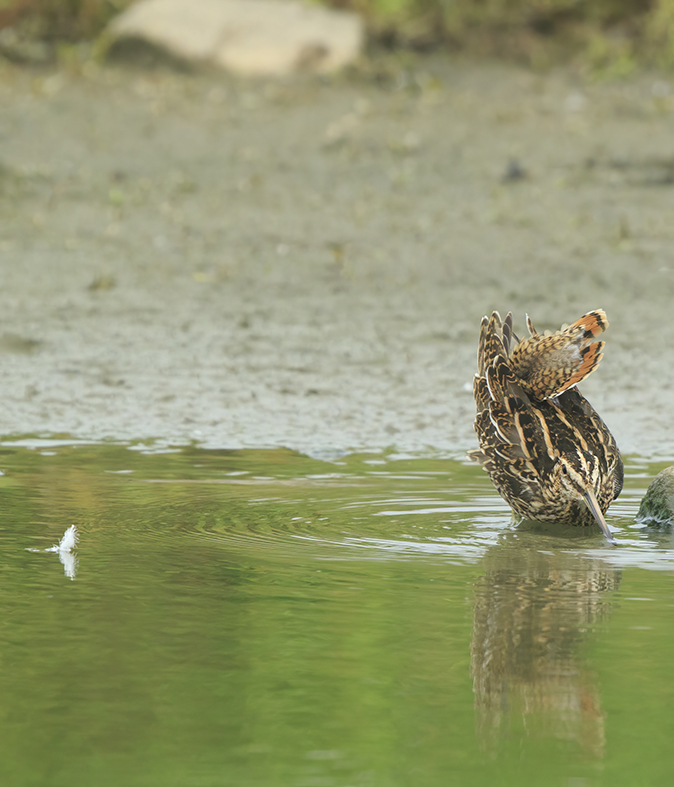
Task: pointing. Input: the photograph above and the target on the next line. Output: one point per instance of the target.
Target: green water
(261, 618)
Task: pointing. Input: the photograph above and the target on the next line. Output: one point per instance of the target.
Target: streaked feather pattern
(547, 451)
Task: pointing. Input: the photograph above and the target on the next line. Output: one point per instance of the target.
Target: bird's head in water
(578, 476)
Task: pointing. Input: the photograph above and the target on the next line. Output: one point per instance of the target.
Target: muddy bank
(305, 263)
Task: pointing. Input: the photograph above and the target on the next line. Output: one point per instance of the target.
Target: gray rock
(657, 507)
(249, 37)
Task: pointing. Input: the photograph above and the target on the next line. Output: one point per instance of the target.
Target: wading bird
(547, 451)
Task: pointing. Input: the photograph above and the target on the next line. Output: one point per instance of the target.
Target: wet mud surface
(305, 263)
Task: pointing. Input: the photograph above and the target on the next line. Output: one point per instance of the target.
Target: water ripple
(454, 517)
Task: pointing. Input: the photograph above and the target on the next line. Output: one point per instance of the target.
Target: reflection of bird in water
(546, 450)
(533, 611)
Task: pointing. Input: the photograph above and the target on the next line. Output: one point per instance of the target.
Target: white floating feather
(69, 540)
(64, 550)
(67, 543)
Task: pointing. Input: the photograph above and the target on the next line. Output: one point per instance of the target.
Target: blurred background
(295, 247)
(605, 33)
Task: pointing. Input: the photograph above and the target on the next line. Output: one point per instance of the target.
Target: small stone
(657, 507)
(103, 282)
(514, 172)
(249, 37)
(21, 345)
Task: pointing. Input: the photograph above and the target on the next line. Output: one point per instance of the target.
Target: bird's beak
(593, 505)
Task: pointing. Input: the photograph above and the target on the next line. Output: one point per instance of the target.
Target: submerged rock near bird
(657, 507)
(547, 451)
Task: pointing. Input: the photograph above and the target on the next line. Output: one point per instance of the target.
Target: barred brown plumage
(547, 451)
